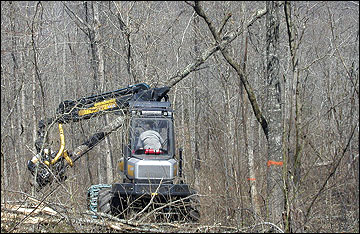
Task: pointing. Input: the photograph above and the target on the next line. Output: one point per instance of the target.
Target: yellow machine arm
(62, 151)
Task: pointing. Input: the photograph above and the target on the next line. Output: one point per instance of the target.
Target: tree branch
(78, 21)
(330, 175)
(225, 20)
(210, 51)
(251, 95)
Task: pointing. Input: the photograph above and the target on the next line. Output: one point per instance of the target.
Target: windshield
(150, 136)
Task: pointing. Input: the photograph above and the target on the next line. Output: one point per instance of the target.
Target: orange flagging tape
(270, 162)
(251, 179)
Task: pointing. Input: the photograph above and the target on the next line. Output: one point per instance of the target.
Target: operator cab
(151, 130)
(151, 146)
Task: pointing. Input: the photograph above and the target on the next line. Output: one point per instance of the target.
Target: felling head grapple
(149, 165)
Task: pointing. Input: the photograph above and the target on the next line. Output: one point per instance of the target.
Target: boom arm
(85, 108)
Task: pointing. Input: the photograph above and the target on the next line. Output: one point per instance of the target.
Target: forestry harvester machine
(151, 173)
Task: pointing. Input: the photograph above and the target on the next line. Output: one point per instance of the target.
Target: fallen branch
(28, 211)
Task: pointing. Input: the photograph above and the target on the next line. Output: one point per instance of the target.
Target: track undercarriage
(165, 202)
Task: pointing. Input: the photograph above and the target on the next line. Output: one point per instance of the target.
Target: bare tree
(214, 57)
(92, 30)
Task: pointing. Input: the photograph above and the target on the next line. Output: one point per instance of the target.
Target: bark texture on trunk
(274, 108)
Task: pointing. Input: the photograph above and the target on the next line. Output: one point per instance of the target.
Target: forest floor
(20, 219)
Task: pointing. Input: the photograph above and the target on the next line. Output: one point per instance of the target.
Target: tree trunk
(274, 165)
(296, 224)
(194, 112)
(92, 30)
(101, 76)
(19, 121)
(249, 150)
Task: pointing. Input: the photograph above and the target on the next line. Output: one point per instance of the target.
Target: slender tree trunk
(24, 124)
(92, 31)
(296, 224)
(248, 126)
(34, 121)
(19, 120)
(101, 76)
(90, 27)
(227, 156)
(194, 113)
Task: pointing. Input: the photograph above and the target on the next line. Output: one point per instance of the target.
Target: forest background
(54, 51)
